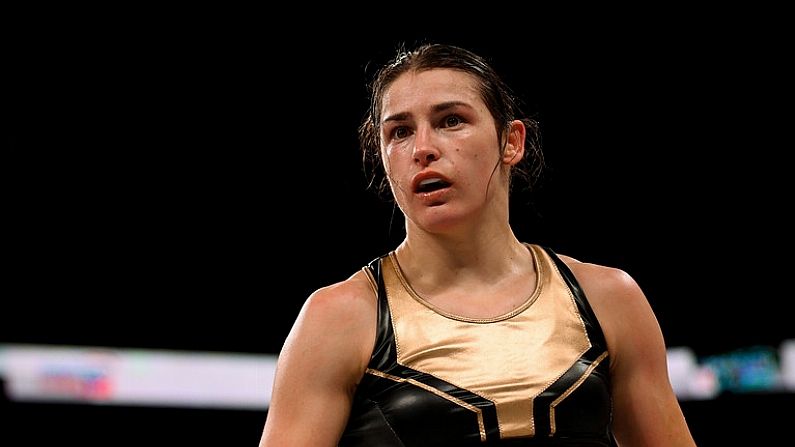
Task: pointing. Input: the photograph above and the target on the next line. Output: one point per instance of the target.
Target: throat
(469, 298)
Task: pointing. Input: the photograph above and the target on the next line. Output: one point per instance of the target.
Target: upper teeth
(429, 180)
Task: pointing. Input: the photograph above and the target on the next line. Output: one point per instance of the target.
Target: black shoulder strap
(594, 328)
(564, 269)
(384, 351)
(374, 267)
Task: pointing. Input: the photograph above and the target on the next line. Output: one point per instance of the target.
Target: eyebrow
(436, 109)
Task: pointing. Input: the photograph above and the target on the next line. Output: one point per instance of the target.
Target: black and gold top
(535, 376)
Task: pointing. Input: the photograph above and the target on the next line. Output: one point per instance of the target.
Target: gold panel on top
(508, 360)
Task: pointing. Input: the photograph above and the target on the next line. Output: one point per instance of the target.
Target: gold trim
(574, 386)
(478, 412)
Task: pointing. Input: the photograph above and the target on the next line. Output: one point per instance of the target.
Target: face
(440, 149)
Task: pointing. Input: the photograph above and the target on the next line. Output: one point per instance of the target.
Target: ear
(514, 148)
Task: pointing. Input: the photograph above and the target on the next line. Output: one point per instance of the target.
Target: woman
(464, 335)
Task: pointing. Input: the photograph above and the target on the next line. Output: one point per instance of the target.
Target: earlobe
(514, 147)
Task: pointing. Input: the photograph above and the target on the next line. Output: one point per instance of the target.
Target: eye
(400, 132)
(451, 121)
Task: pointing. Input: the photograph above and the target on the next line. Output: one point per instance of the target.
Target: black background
(186, 182)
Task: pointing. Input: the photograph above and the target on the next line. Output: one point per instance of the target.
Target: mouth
(431, 184)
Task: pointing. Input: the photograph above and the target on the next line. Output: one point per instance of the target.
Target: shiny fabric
(535, 376)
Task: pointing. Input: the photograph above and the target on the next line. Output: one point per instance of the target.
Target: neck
(479, 255)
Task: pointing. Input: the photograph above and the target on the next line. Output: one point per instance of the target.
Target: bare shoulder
(338, 320)
(355, 290)
(603, 282)
(343, 305)
(321, 362)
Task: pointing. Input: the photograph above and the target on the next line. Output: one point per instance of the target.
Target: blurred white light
(137, 377)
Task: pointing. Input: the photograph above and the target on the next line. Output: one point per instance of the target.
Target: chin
(439, 219)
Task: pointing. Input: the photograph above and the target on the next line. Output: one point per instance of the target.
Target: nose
(425, 148)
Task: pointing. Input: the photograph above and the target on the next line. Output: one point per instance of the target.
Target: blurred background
(179, 182)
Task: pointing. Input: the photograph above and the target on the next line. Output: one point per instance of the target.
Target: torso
(535, 374)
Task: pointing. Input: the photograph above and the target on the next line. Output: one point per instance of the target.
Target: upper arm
(322, 361)
(646, 410)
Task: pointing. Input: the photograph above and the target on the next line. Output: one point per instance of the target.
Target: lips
(428, 182)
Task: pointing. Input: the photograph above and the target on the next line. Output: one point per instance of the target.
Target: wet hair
(497, 96)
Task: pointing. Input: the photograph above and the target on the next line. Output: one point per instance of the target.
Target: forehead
(417, 88)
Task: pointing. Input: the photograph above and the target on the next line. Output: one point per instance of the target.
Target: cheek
(386, 162)
(393, 177)
(393, 159)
